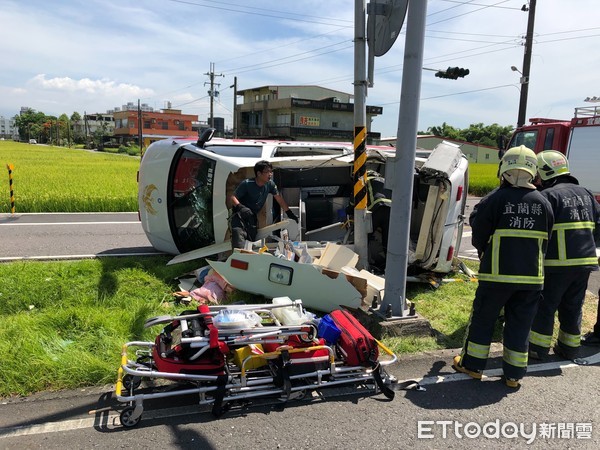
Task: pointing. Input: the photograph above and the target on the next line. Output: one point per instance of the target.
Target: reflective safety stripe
(543, 340)
(517, 359)
(520, 279)
(570, 340)
(495, 276)
(563, 260)
(531, 234)
(478, 350)
(573, 226)
(571, 262)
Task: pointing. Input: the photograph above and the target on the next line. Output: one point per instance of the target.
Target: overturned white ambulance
(184, 186)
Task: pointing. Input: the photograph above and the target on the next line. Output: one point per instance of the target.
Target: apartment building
(310, 113)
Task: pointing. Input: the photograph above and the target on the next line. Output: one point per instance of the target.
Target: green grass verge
(57, 179)
(63, 323)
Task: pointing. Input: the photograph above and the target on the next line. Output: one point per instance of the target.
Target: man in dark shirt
(248, 199)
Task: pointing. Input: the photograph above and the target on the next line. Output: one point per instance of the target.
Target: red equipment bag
(358, 346)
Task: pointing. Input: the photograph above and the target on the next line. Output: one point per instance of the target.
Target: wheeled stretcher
(224, 354)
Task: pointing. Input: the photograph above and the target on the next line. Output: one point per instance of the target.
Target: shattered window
(191, 189)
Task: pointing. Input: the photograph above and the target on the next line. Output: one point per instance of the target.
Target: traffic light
(452, 73)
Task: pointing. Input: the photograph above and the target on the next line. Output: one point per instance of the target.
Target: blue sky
(63, 56)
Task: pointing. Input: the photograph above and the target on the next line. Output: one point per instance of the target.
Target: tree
(76, 128)
(64, 125)
(477, 133)
(444, 130)
(29, 123)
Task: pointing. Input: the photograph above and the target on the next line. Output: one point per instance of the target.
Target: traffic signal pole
(404, 163)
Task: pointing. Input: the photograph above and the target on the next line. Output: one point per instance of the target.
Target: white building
(8, 129)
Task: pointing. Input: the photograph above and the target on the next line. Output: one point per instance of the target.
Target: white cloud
(101, 87)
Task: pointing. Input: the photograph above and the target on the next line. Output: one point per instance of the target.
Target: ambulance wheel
(130, 381)
(126, 417)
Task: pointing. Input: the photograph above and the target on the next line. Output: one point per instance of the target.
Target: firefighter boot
(477, 374)
(591, 339)
(538, 352)
(512, 383)
(565, 352)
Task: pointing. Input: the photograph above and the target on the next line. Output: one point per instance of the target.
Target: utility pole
(234, 86)
(212, 91)
(360, 135)
(87, 131)
(140, 135)
(526, 65)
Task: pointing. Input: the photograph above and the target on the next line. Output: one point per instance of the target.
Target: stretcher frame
(239, 383)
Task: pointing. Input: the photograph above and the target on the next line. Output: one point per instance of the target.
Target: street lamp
(592, 99)
(523, 79)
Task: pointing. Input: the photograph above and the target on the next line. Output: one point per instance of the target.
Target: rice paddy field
(58, 179)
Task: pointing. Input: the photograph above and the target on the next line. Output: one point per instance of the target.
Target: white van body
(184, 188)
(583, 152)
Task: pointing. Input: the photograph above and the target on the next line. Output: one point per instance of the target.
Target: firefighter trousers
(519, 310)
(563, 292)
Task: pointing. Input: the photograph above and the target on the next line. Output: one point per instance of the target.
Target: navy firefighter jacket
(576, 231)
(510, 230)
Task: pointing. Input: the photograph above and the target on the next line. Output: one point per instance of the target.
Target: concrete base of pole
(379, 327)
(406, 326)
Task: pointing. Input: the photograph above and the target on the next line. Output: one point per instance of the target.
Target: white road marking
(68, 223)
(594, 359)
(67, 257)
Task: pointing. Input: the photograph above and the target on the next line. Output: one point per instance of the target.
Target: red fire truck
(578, 138)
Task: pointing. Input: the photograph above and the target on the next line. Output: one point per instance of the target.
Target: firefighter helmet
(552, 164)
(520, 157)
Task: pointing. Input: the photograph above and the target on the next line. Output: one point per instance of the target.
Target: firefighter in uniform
(570, 258)
(511, 227)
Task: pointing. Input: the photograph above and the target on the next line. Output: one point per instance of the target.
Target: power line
(259, 65)
(455, 93)
(470, 12)
(481, 4)
(262, 51)
(264, 14)
(281, 61)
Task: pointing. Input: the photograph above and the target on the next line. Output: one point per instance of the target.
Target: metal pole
(10, 168)
(212, 93)
(360, 135)
(404, 163)
(140, 133)
(234, 107)
(526, 65)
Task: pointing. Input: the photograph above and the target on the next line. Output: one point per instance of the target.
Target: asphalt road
(71, 236)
